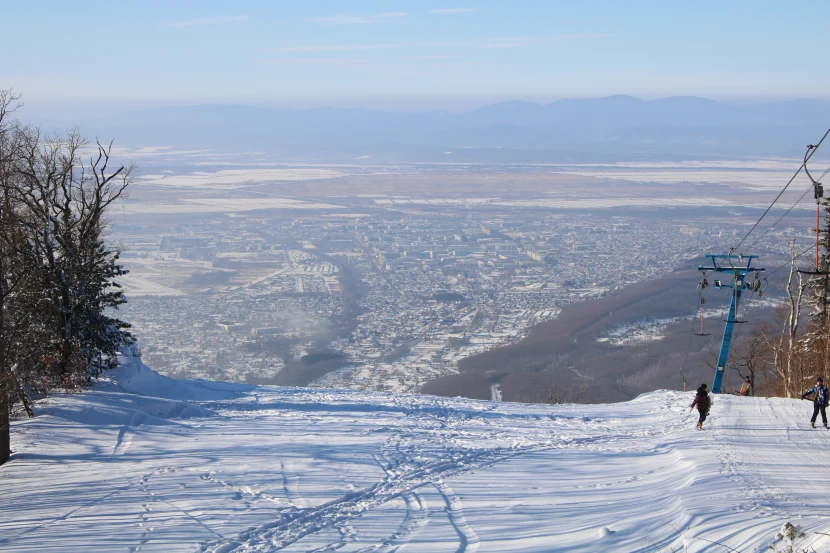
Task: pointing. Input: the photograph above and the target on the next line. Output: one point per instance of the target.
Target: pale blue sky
(410, 55)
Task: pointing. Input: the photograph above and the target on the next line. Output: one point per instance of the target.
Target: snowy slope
(219, 468)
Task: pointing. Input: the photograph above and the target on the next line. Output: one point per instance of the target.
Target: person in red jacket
(703, 403)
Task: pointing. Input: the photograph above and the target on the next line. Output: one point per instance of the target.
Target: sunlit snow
(145, 463)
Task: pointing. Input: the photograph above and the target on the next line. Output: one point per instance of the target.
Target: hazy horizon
(394, 104)
(401, 56)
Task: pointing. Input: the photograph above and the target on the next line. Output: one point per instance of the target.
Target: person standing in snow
(746, 388)
(703, 403)
(820, 401)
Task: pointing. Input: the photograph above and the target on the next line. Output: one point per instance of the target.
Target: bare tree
(786, 353)
(11, 276)
(753, 356)
(56, 269)
(555, 395)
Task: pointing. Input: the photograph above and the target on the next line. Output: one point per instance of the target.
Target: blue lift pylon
(740, 273)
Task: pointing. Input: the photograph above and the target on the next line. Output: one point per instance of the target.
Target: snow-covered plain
(235, 177)
(221, 205)
(145, 463)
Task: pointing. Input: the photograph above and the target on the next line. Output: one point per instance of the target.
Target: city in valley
(386, 277)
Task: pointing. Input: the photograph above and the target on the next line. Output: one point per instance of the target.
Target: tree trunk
(5, 429)
(795, 294)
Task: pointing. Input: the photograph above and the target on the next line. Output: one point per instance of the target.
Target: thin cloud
(313, 48)
(508, 43)
(334, 48)
(523, 42)
(438, 57)
(505, 42)
(578, 36)
(359, 19)
(317, 61)
(208, 21)
(456, 43)
(452, 10)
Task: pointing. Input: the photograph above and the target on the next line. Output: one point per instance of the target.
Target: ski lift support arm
(739, 272)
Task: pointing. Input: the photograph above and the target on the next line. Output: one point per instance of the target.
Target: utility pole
(740, 273)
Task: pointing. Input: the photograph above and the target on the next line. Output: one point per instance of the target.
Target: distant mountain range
(585, 130)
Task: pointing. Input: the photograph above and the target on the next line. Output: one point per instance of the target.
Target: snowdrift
(134, 377)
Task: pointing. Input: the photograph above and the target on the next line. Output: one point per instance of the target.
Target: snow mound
(604, 532)
(133, 394)
(134, 377)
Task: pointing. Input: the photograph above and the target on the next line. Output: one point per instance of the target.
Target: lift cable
(813, 150)
(809, 189)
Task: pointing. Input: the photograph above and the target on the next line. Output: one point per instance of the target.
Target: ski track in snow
(417, 517)
(390, 459)
(404, 476)
(467, 537)
(280, 469)
(297, 525)
(242, 491)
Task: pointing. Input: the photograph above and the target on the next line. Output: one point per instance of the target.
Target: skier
(746, 388)
(703, 403)
(820, 401)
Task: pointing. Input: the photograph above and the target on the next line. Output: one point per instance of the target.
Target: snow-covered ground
(638, 332)
(209, 467)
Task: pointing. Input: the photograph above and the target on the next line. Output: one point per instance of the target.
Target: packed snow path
(213, 468)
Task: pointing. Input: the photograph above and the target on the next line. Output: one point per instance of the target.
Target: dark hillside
(565, 353)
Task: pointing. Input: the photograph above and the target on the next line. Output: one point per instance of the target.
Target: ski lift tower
(739, 273)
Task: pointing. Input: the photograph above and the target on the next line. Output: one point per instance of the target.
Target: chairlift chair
(703, 284)
(818, 194)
